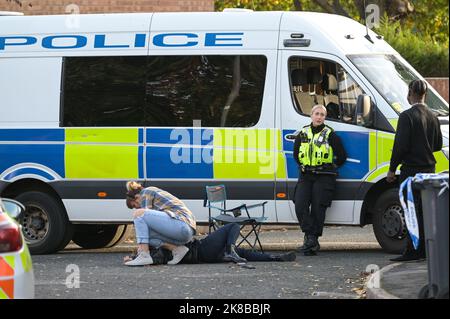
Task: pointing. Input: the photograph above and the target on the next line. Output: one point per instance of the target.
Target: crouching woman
(160, 220)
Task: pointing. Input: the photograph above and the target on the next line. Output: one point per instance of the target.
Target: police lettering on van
(100, 41)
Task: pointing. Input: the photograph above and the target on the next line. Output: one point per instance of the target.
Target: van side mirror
(13, 208)
(365, 111)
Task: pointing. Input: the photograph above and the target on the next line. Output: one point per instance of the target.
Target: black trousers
(406, 172)
(313, 195)
(212, 247)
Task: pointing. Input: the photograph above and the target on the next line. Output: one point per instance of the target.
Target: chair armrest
(215, 207)
(256, 205)
(237, 210)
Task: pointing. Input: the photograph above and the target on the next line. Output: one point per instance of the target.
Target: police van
(185, 100)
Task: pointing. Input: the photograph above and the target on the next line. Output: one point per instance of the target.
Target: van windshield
(391, 77)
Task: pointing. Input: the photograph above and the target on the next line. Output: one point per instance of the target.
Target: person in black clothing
(318, 152)
(217, 247)
(418, 136)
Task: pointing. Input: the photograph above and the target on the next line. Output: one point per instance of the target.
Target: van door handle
(290, 137)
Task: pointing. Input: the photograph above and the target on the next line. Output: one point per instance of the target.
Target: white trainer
(142, 259)
(178, 254)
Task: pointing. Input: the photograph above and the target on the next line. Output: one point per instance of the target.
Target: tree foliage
(426, 17)
(427, 56)
(417, 29)
(430, 18)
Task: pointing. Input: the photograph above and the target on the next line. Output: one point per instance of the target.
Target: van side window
(104, 91)
(220, 91)
(315, 81)
(349, 91)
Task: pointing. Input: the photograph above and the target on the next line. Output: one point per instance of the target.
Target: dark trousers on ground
(406, 172)
(313, 195)
(213, 247)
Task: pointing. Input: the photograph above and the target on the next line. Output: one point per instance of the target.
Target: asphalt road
(337, 272)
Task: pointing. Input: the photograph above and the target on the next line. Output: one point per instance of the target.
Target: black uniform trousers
(313, 195)
(406, 172)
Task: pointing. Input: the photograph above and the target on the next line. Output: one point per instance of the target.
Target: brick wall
(440, 85)
(34, 7)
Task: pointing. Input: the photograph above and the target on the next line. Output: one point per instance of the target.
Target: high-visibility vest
(315, 149)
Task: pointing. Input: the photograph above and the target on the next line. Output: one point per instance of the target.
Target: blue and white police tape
(410, 209)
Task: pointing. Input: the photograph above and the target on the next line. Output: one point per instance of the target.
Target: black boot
(233, 256)
(408, 257)
(310, 243)
(290, 256)
(410, 254)
(311, 246)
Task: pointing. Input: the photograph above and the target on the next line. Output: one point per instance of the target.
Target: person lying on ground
(217, 247)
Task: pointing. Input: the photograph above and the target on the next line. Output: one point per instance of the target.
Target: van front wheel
(389, 223)
(44, 223)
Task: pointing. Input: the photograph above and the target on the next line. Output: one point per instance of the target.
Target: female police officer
(318, 151)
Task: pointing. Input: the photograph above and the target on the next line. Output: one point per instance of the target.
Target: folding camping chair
(216, 195)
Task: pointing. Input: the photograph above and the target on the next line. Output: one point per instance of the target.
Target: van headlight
(445, 150)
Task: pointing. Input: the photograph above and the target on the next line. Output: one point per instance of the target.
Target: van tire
(67, 237)
(44, 223)
(389, 222)
(99, 236)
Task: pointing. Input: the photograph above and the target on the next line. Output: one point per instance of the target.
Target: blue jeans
(156, 228)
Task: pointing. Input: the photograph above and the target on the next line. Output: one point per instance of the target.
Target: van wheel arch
(370, 199)
(45, 223)
(28, 184)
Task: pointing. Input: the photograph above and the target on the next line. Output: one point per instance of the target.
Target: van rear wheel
(389, 223)
(99, 236)
(45, 224)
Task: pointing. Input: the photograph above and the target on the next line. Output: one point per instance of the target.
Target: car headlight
(445, 150)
